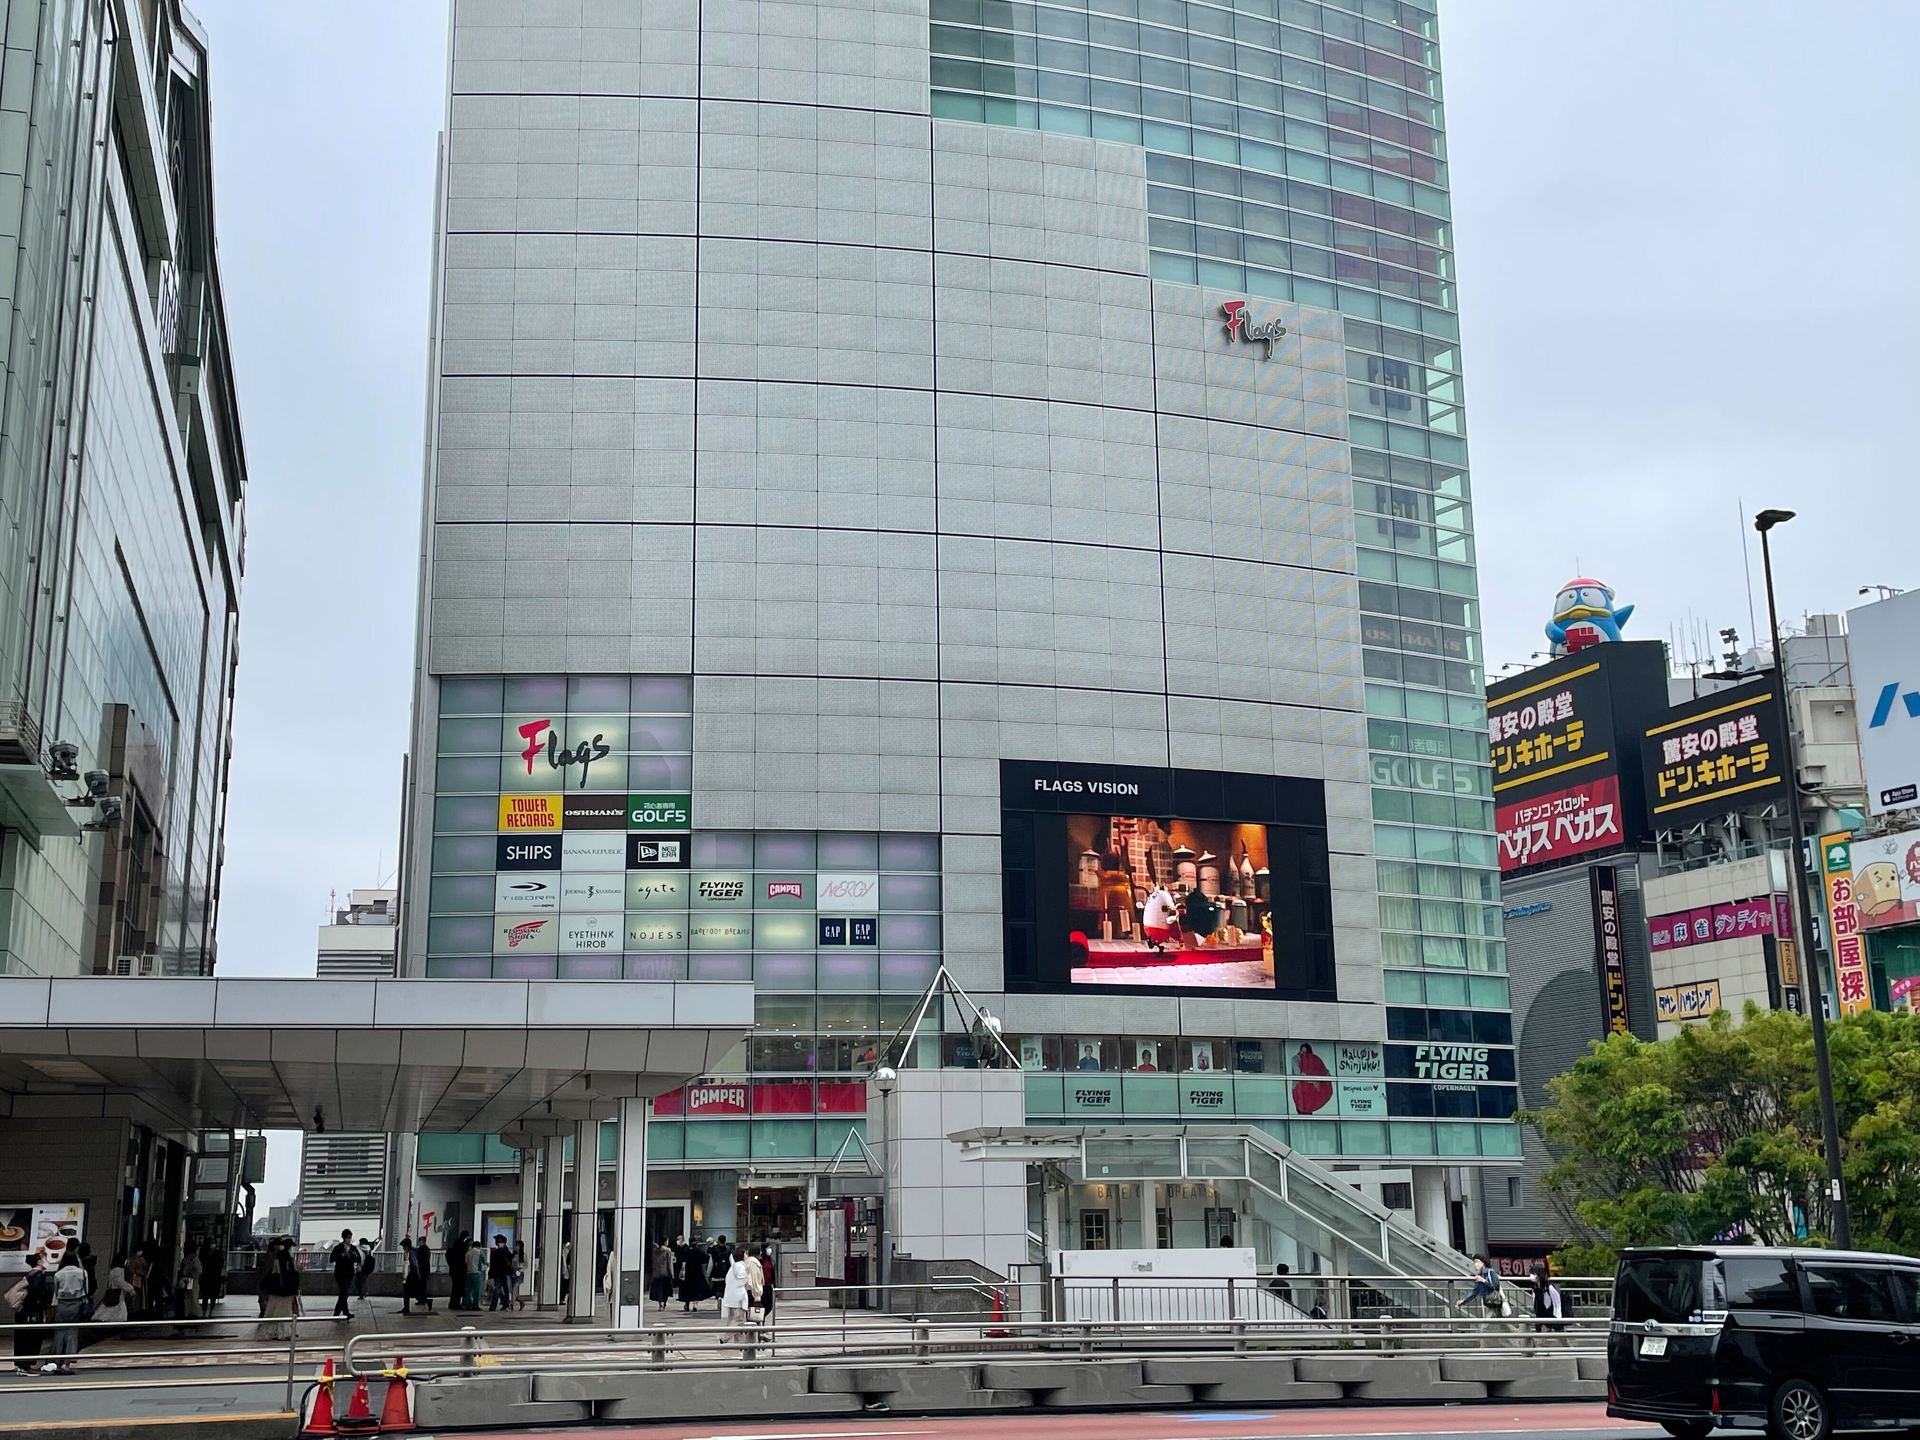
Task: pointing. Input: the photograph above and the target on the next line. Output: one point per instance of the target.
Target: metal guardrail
(1175, 1299)
(951, 1318)
(287, 1360)
(581, 1350)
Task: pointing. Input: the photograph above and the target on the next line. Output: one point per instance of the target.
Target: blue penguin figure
(1584, 614)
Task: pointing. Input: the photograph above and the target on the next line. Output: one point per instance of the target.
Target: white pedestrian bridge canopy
(366, 1056)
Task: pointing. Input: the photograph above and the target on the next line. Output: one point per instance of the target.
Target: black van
(1798, 1342)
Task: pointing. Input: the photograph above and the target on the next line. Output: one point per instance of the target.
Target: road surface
(1494, 1421)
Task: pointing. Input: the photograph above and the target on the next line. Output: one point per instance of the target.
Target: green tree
(1717, 1130)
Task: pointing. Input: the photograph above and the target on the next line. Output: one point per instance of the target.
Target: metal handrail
(92, 1375)
(576, 1349)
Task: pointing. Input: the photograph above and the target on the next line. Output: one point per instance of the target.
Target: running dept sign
(1242, 329)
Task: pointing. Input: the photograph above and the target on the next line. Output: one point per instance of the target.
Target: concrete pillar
(553, 1204)
(1430, 1201)
(586, 1210)
(1149, 1227)
(523, 1223)
(720, 1204)
(629, 1259)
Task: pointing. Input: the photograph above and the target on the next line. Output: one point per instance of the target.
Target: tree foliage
(1716, 1133)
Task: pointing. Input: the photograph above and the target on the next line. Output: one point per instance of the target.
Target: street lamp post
(1823, 1069)
(884, 1080)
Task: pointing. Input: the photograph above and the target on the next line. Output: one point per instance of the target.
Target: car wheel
(1800, 1412)
(1688, 1429)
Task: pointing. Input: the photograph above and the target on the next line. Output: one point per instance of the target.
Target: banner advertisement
(1715, 754)
(1573, 821)
(1610, 947)
(44, 1230)
(1687, 1002)
(1886, 699)
(1886, 879)
(1848, 943)
(1555, 726)
(1729, 920)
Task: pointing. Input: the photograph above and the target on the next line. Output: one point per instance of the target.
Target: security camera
(97, 782)
(63, 757)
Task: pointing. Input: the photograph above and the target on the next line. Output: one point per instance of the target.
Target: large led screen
(1168, 903)
(1132, 880)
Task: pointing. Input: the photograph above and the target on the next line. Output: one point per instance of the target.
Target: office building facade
(122, 494)
(122, 480)
(908, 487)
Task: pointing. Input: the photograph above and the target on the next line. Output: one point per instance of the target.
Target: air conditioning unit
(19, 735)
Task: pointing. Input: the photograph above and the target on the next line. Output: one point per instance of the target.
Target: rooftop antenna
(1746, 564)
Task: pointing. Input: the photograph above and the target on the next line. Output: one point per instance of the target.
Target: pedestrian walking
(519, 1274)
(500, 1275)
(660, 1274)
(31, 1301)
(737, 1297)
(213, 1278)
(365, 1271)
(70, 1307)
(719, 1261)
(345, 1259)
(262, 1268)
(566, 1270)
(282, 1281)
(458, 1260)
(769, 1270)
(186, 1300)
(137, 1268)
(415, 1285)
(1280, 1285)
(1486, 1282)
(110, 1301)
(476, 1275)
(694, 1287)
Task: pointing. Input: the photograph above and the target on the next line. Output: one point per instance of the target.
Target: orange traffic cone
(397, 1414)
(319, 1419)
(359, 1418)
(997, 1330)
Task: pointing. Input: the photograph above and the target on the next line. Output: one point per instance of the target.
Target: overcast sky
(1687, 287)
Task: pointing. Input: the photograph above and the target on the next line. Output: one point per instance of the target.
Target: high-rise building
(122, 495)
(122, 482)
(345, 1180)
(905, 488)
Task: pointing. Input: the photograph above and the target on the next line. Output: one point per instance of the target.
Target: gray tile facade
(878, 426)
